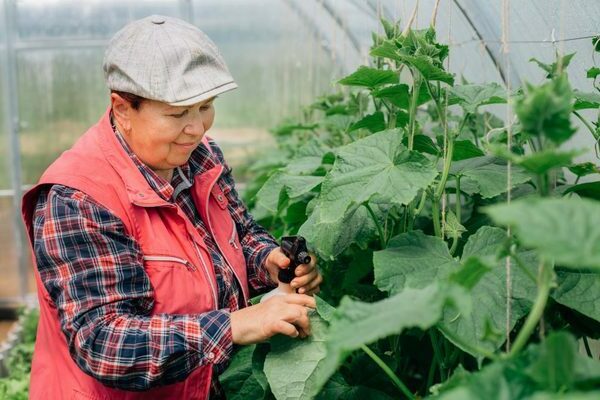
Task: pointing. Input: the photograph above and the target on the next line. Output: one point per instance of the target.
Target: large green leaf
(486, 175)
(579, 290)
(564, 230)
(539, 162)
(338, 388)
(370, 77)
(471, 97)
(268, 196)
(427, 68)
(590, 190)
(294, 367)
(373, 122)
(396, 94)
(549, 370)
(465, 149)
(356, 323)
(485, 326)
(585, 100)
(377, 168)
(412, 260)
(330, 238)
(546, 110)
(244, 378)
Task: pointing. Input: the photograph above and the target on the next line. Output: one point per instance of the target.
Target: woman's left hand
(308, 278)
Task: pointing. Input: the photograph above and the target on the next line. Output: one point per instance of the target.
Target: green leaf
(590, 190)
(423, 144)
(546, 110)
(398, 95)
(556, 67)
(453, 228)
(356, 323)
(387, 49)
(373, 122)
(376, 169)
(565, 230)
(584, 169)
(428, 70)
(584, 101)
(539, 162)
(579, 290)
(489, 293)
(330, 238)
(596, 43)
(470, 273)
(558, 366)
(268, 197)
(412, 260)
(244, 378)
(294, 367)
(465, 149)
(471, 97)
(338, 388)
(593, 72)
(370, 77)
(485, 175)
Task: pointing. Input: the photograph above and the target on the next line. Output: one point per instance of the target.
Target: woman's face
(163, 136)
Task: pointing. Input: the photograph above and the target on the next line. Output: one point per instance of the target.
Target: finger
(301, 320)
(314, 291)
(300, 299)
(315, 283)
(280, 259)
(285, 328)
(305, 279)
(305, 269)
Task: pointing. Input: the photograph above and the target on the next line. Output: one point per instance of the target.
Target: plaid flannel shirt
(94, 274)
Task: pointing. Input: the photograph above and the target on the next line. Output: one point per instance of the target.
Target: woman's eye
(206, 107)
(180, 114)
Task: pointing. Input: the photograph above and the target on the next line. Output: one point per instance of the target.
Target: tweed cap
(165, 59)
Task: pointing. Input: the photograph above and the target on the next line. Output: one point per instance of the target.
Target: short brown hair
(133, 99)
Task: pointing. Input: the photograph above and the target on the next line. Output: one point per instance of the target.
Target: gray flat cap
(166, 59)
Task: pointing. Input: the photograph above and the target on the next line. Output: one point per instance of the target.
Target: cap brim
(206, 95)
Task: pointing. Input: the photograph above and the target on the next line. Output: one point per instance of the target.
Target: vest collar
(138, 189)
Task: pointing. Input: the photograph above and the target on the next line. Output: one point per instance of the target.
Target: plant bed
(16, 354)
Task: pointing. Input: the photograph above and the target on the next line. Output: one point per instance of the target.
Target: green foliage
(401, 188)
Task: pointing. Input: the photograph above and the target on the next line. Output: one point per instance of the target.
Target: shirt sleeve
(93, 271)
(256, 242)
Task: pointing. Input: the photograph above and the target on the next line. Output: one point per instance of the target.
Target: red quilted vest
(175, 258)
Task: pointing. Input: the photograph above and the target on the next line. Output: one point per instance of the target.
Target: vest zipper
(232, 238)
(208, 276)
(217, 242)
(188, 264)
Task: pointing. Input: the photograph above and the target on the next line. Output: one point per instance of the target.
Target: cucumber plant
(458, 260)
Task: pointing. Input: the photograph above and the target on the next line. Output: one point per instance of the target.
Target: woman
(145, 255)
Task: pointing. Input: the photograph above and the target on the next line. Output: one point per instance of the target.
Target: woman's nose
(194, 127)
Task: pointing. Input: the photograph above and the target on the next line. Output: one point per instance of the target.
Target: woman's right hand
(284, 314)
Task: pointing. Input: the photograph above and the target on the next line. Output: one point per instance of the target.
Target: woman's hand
(307, 279)
(284, 314)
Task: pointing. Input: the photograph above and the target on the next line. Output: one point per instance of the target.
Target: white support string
(506, 52)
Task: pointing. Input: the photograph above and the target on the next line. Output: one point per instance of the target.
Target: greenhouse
(300, 199)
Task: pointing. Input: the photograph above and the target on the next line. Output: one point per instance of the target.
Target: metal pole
(10, 93)
(186, 9)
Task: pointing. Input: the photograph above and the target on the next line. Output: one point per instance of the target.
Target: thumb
(280, 259)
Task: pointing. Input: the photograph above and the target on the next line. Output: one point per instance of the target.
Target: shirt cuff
(216, 338)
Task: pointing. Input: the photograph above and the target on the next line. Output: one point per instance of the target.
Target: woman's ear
(122, 112)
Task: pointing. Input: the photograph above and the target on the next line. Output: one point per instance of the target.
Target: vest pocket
(171, 261)
(77, 395)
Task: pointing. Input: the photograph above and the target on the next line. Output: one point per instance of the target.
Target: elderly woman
(146, 256)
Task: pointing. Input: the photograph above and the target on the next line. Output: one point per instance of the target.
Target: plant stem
(544, 283)
(382, 240)
(447, 162)
(435, 214)
(388, 371)
(437, 352)
(587, 125)
(454, 245)
(412, 111)
(458, 205)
